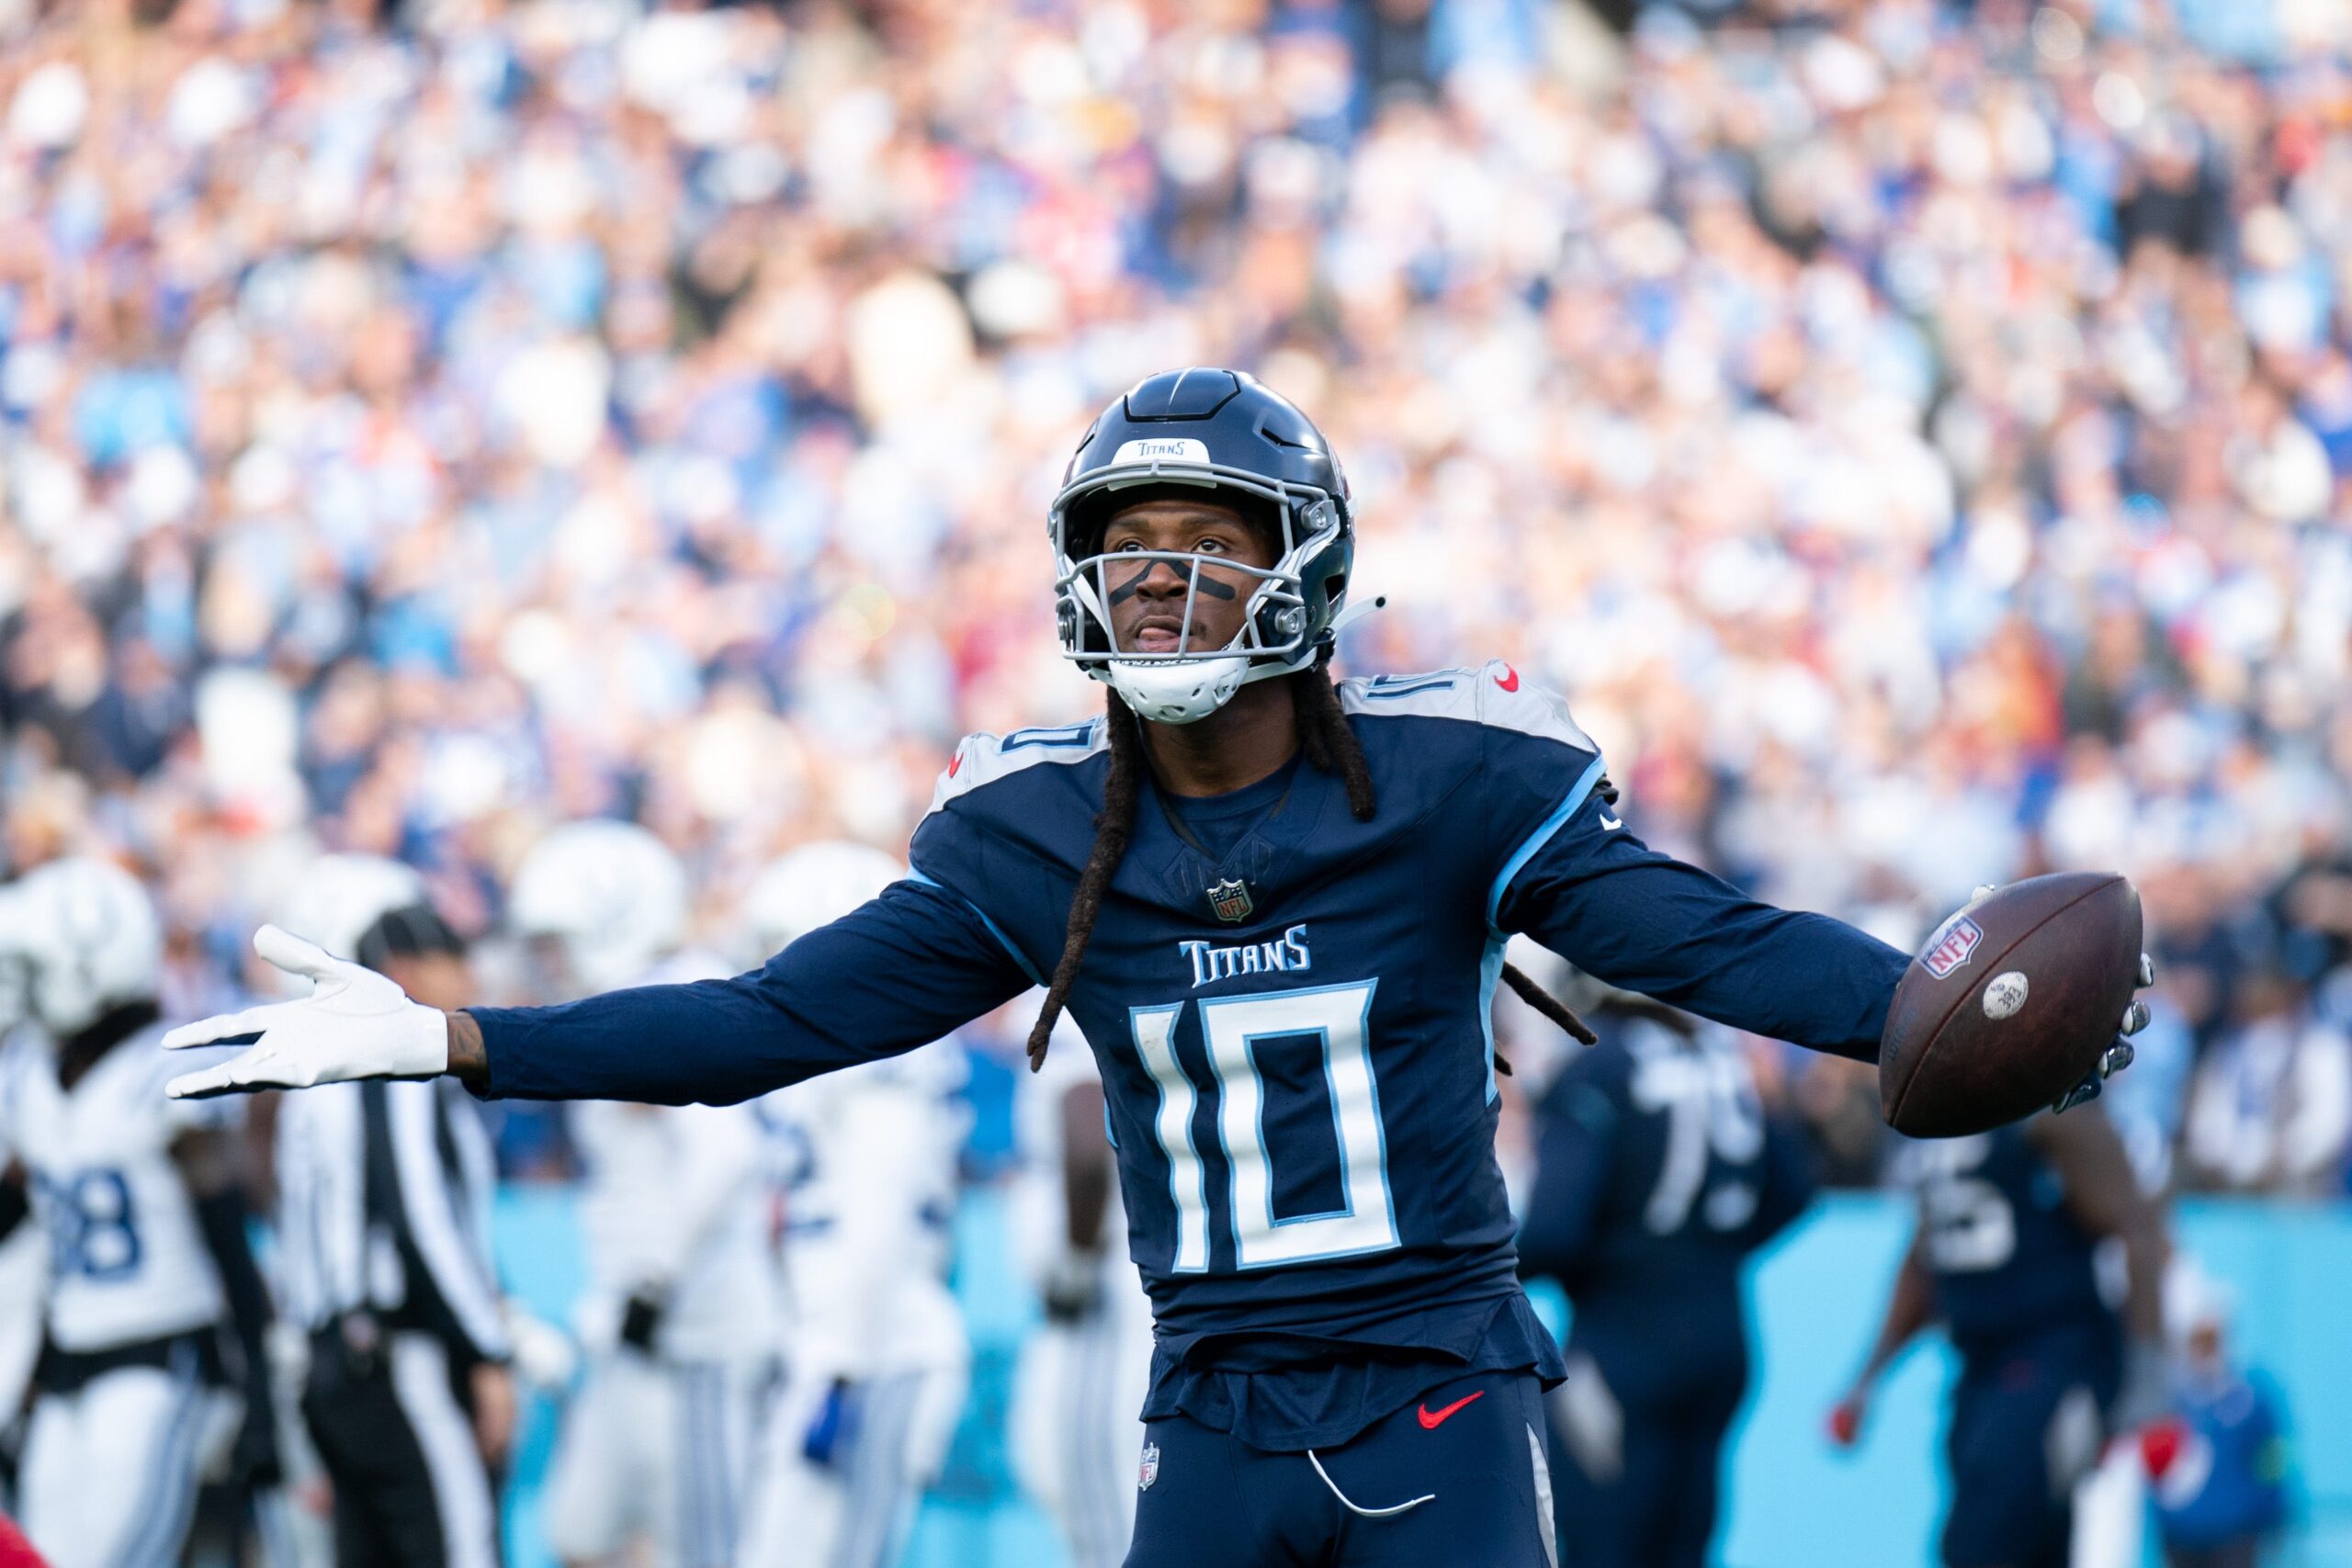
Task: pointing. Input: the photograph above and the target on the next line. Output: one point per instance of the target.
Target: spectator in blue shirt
(2218, 1460)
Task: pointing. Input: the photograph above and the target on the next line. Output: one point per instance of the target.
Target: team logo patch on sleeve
(1952, 946)
(1230, 899)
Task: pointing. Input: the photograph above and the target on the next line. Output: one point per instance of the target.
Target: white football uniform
(125, 1419)
(876, 1361)
(1076, 1427)
(659, 1445)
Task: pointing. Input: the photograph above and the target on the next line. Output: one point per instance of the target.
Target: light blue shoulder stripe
(1538, 838)
(994, 929)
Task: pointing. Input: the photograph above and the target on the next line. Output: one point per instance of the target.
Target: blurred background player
(876, 1361)
(153, 1370)
(24, 1270)
(384, 1258)
(679, 1322)
(2010, 1224)
(1075, 1427)
(1659, 1171)
(2217, 1460)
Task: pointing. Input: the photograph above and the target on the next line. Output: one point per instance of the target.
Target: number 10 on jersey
(1340, 1017)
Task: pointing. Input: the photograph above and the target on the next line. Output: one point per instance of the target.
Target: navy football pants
(2026, 1428)
(1478, 1471)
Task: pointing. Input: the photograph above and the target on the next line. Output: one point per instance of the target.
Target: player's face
(1149, 609)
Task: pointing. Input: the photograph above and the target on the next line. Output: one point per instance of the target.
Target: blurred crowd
(1917, 436)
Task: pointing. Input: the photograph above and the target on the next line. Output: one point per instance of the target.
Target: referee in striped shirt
(385, 1190)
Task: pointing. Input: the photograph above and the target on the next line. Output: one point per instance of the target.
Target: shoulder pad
(983, 759)
(1439, 693)
(1508, 701)
(1493, 693)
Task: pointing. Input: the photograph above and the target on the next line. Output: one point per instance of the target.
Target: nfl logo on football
(1230, 899)
(1952, 946)
(1149, 1470)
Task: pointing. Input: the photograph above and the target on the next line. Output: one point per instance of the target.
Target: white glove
(355, 1024)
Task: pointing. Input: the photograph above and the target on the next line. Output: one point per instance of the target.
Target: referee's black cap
(410, 932)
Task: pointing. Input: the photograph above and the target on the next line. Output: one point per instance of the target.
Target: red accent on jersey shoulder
(955, 762)
(1507, 679)
(1432, 1421)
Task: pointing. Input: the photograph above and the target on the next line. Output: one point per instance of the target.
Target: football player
(1277, 909)
(1658, 1172)
(152, 1369)
(1073, 1427)
(24, 1271)
(876, 1361)
(681, 1317)
(2003, 1256)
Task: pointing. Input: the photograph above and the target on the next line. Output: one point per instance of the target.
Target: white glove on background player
(355, 1024)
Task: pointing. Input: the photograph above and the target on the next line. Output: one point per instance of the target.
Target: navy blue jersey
(1657, 1173)
(2007, 1258)
(1293, 1036)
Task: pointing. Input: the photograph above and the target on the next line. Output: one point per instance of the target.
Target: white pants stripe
(420, 1368)
(171, 1477)
(657, 1451)
(880, 1501)
(856, 1511)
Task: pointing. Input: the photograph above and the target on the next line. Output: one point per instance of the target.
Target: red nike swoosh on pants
(1432, 1420)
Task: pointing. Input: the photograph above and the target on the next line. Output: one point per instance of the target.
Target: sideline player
(24, 1276)
(681, 1317)
(876, 1362)
(1277, 909)
(1073, 1428)
(1658, 1172)
(152, 1369)
(384, 1259)
(2009, 1223)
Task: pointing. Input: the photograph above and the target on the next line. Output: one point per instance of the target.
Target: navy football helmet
(1218, 430)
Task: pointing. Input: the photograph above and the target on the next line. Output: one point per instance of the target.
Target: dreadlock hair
(1329, 745)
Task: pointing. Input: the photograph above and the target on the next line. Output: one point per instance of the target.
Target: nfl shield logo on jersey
(1952, 946)
(1149, 1470)
(1230, 899)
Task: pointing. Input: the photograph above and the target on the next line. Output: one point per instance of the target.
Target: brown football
(2010, 1004)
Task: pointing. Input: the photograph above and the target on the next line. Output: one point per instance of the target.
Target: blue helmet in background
(1218, 431)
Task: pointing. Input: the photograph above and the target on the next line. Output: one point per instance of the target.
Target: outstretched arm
(1599, 897)
(897, 972)
(1570, 873)
(904, 970)
(2104, 1196)
(1910, 1309)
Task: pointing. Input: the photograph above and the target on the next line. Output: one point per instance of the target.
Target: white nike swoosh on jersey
(1610, 822)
